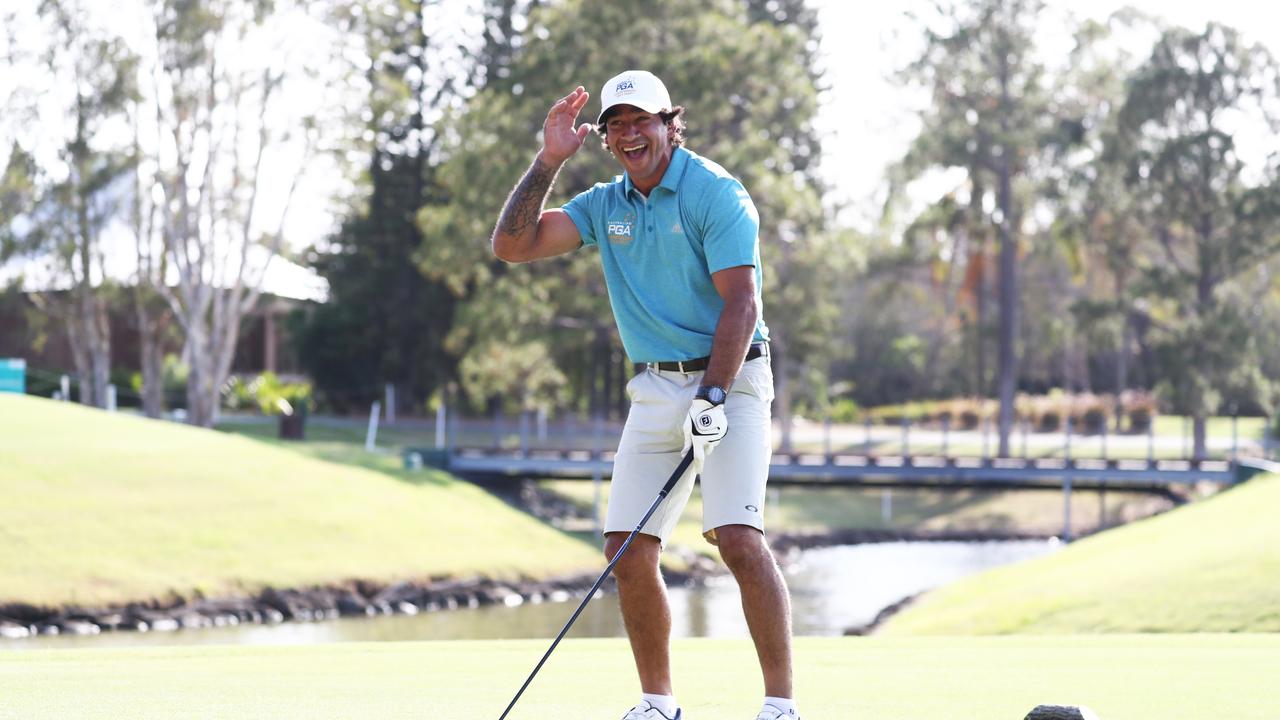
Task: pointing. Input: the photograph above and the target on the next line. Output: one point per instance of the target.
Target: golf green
(1122, 677)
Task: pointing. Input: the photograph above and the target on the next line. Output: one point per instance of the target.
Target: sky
(867, 118)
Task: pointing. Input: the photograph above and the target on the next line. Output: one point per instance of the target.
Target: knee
(743, 548)
(640, 560)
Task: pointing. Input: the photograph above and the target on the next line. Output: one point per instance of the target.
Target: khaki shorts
(734, 474)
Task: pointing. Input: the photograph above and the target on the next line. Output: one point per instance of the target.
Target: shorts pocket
(755, 379)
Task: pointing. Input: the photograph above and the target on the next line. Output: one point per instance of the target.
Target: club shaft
(671, 483)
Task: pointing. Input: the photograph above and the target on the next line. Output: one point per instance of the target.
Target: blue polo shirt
(658, 254)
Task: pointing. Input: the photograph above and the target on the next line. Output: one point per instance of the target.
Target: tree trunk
(1122, 358)
(1008, 271)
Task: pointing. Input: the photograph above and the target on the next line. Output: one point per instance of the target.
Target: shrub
(1048, 421)
(269, 393)
(1140, 409)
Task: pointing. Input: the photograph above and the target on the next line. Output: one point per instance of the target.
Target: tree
(1211, 220)
(213, 103)
(749, 95)
(987, 118)
(394, 317)
(58, 213)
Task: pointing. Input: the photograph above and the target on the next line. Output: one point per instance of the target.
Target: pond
(832, 589)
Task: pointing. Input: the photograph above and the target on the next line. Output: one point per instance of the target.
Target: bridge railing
(1230, 438)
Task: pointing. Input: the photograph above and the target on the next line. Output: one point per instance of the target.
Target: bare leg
(646, 613)
(765, 602)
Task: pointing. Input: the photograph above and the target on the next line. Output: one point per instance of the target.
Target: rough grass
(101, 508)
(1130, 677)
(1210, 566)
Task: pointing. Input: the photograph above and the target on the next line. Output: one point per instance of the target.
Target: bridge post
(1066, 448)
(826, 438)
(1151, 440)
(906, 439)
(1235, 438)
(986, 432)
(866, 435)
(524, 432)
(1066, 508)
(1026, 425)
(442, 416)
(946, 435)
(597, 492)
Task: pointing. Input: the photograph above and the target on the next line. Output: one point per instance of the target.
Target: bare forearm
(518, 224)
(734, 331)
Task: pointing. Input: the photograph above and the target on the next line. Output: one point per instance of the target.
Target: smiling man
(678, 242)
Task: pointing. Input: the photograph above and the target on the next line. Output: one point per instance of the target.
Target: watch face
(714, 394)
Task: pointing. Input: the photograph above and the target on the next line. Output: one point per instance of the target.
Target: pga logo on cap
(625, 86)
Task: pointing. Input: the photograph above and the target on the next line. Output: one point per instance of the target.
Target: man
(678, 243)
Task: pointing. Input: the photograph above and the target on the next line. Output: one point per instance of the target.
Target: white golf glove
(704, 428)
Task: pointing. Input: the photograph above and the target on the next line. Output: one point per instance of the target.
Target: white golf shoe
(772, 713)
(645, 711)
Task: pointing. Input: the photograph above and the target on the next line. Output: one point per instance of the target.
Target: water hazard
(832, 589)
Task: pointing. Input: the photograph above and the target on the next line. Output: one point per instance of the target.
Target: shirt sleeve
(731, 226)
(579, 211)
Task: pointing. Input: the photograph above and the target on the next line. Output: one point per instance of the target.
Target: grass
(105, 508)
(1207, 567)
(1131, 677)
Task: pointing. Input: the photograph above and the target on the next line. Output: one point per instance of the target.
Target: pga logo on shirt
(619, 231)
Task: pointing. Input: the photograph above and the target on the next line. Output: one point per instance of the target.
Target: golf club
(671, 483)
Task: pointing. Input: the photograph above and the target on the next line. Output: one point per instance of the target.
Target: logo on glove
(705, 421)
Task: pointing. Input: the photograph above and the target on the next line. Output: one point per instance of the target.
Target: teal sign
(13, 375)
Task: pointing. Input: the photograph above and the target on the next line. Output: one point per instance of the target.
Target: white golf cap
(640, 88)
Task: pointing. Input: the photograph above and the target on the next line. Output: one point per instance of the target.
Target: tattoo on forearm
(524, 205)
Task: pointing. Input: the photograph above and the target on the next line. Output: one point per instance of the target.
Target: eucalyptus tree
(215, 90)
(1214, 218)
(67, 203)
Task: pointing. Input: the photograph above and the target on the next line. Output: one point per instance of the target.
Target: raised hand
(560, 139)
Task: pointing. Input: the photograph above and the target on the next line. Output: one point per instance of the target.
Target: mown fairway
(1203, 677)
(1210, 566)
(102, 508)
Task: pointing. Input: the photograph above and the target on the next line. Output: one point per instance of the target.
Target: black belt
(760, 349)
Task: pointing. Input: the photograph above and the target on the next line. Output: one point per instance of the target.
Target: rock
(352, 604)
(14, 631)
(1061, 712)
(68, 626)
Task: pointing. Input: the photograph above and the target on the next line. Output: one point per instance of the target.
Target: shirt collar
(670, 178)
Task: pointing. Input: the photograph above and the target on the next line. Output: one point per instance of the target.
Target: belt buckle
(680, 364)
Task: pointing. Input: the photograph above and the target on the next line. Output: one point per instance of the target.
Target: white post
(371, 436)
(597, 499)
(1066, 509)
(66, 388)
(442, 418)
(542, 424)
(391, 403)
(111, 398)
(886, 506)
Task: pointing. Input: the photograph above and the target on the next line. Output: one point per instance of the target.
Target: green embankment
(1200, 677)
(103, 508)
(1213, 566)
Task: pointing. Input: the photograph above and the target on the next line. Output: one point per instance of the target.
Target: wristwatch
(713, 394)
